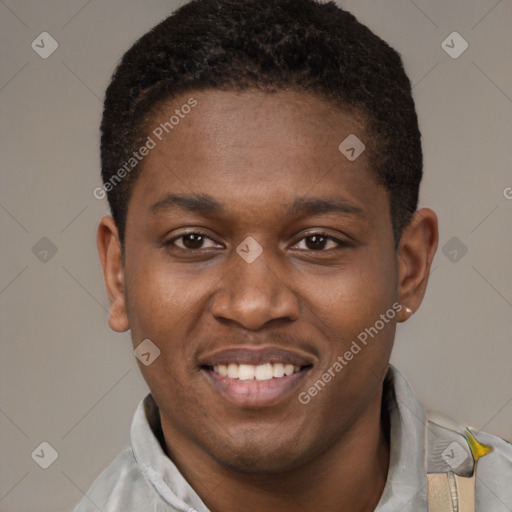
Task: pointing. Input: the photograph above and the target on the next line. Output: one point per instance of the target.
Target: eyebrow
(309, 206)
(301, 206)
(203, 204)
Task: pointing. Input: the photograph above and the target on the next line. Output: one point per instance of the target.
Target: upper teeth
(251, 372)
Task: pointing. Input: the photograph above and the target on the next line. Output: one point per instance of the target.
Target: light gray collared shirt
(143, 479)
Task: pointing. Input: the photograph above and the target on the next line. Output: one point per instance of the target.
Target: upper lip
(255, 356)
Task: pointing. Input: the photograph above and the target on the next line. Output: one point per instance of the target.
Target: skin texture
(256, 153)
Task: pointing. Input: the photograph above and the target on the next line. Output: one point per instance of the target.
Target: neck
(350, 475)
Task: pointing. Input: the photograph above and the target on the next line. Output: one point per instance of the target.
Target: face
(257, 255)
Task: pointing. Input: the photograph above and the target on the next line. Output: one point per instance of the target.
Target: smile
(261, 372)
(255, 377)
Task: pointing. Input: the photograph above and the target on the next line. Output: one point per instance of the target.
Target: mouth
(253, 377)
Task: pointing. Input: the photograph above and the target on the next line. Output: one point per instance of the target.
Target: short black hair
(268, 45)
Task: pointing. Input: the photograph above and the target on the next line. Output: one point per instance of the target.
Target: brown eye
(193, 241)
(319, 242)
(316, 242)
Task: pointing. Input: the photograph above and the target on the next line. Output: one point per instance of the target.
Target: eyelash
(339, 242)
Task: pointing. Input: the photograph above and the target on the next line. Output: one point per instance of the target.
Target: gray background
(66, 379)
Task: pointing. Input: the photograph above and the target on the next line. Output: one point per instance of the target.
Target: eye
(193, 241)
(319, 242)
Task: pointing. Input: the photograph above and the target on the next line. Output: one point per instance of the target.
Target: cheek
(161, 301)
(356, 306)
(163, 307)
(363, 288)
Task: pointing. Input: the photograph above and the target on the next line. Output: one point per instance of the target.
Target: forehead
(252, 146)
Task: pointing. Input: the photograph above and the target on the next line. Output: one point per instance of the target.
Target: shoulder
(494, 475)
(463, 451)
(120, 487)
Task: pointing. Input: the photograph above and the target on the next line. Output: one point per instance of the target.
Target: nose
(254, 294)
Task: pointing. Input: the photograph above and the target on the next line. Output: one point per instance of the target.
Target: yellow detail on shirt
(478, 450)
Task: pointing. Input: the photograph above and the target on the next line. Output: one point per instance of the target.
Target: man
(262, 161)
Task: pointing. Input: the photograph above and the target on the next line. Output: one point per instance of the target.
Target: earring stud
(409, 311)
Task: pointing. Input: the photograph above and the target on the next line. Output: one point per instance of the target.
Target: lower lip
(255, 393)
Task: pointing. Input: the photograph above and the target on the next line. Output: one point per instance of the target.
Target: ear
(415, 253)
(111, 257)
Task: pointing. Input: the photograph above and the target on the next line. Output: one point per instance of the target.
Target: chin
(253, 458)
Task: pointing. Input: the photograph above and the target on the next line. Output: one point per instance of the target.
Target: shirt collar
(156, 466)
(405, 487)
(407, 476)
